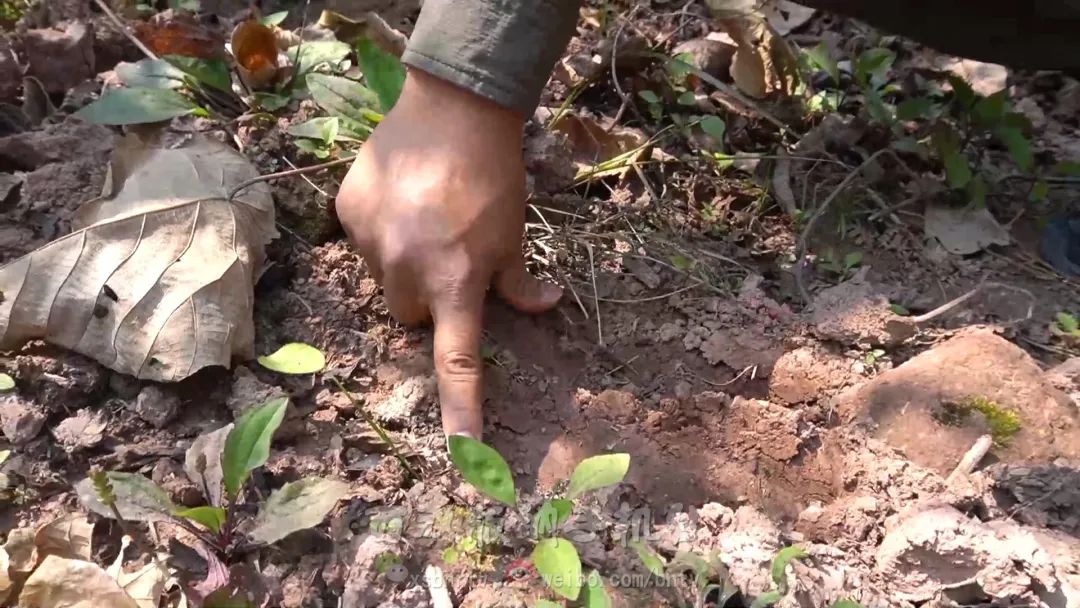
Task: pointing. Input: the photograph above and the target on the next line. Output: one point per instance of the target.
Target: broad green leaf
(321, 128)
(714, 127)
(344, 97)
(315, 148)
(483, 468)
(652, 560)
(853, 259)
(1019, 146)
(137, 498)
(557, 562)
(821, 59)
(989, 111)
(598, 472)
(274, 18)
(678, 67)
(6, 382)
(150, 73)
(873, 65)
(295, 358)
(649, 96)
(899, 310)
(767, 599)
(845, 604)
(780, 564)
(957, 170)
(211, 72)
(382, 72)
(547, 604)
(965, 95)
(686, 98)
(271, 101)
(296, 506)
(210, 517)
(593, 594)
(551, 515)
(248, 445)
(137, 106)
(915, 109)
(977, 190)
(313, 53)
(1067, 322)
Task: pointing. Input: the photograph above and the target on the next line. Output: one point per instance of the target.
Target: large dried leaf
(67, 537)
(296, 506)
(177, 33)
(72, 583)
(146, 585)
(202, 463)
(157, 280)
(137, 498)
(5, 580)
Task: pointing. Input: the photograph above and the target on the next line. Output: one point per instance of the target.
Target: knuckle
(459, 365)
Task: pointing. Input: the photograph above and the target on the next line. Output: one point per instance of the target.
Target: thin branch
(596, 298)
(971, 459)
(124, 30)
(291, 172)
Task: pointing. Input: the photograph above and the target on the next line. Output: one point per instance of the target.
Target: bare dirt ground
(754, 419)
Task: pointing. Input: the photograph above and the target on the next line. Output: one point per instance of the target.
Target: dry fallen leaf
(67, 537)
(256, 50)
(5, 580)
(21, 551)
(785, 16)
(177, 33)
(83, 430)
(764, 62)
(146, 585)
(72, 583)
(156, 282)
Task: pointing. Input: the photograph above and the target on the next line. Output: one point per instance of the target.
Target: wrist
(426, 94)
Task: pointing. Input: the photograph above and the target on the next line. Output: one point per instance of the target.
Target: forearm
(502, 50)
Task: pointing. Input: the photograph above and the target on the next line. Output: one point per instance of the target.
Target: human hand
(435, 202)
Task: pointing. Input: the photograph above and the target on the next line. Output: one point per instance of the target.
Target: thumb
(524, 291)
(458, 317)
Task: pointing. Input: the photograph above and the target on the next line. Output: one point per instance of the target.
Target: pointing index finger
(458, 316)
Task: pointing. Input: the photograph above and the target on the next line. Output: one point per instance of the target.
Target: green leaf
(767, 599)
(845, 604)
(652, 560)
(977, 190)
(547, 604)
(296, 506)
(915, 109)
(295, 358)
(344, 97)
(649, 97)
(210, 517)
(211, 72)
(594, 595)
(957, 171)
(136, 106)
(248, 445)
(382, 72)
(483, 468)
(989, 111)
(1068, 323)
(557, 562)
(687, 98)
(821, 59)
(315, 148)
(899, 310)
(853, 259)
(598, 472)
(780, 564)
(551, 515)
(1019, 146)
(873, 65)
(326, 129)
(678, 67)
(311, 54)
(271, 101)
(150, 73)
(137, 498)
(1039, 191)
(1068, 168)
(964, 94)
(6, 382)
(274, 18)
(714, 127)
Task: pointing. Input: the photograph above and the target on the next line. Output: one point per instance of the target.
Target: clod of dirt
(934, 406)
(374, 571)
(70, 140)
(807, 374)
(936, 547)
(60, 57)
(547, 156)
(855, 312)
(1039, 495)
(157, 406)
(248, 391)
(495, 596)
(59, 381)
(710, 56)
(408, 396)
(20, 419)
(83, 430)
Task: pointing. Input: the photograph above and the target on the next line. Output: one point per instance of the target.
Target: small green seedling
(220, 463)
(778, 572)
(555, 558)
(871, 358)
(842, 268)
(295, 358)
(1067, 324)
(6, 383)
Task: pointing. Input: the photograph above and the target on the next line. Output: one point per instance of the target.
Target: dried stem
(291, 172)
(374, 424)
(124, 30)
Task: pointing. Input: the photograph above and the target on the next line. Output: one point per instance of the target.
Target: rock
(372, 575)
(10, 72)
(157, 406)
(71, 140)
(21, 420)
(60, 57)
(934, 406)
(495, 596)
(934, 547)
(985, 78)
(547, 154)
(248, 391)
(710, 56)
(83, 430)
(807, 374)
(855, 312)
(1047, 495)
(739, 348)
(410, 395)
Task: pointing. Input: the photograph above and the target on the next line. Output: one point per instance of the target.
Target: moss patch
(1004, 423)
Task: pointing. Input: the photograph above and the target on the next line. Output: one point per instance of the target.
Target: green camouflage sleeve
(500, 49)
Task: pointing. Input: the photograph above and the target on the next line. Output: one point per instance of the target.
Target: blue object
(1060, 245)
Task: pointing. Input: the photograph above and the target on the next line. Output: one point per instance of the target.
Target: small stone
(61, 57)
(157, 406)
(683, 389)
(406, 399)
(83, 430)
(21, 420)
(669, 332)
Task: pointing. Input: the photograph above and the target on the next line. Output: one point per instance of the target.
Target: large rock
(935, 406)
(61, 57)
(807, 374)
